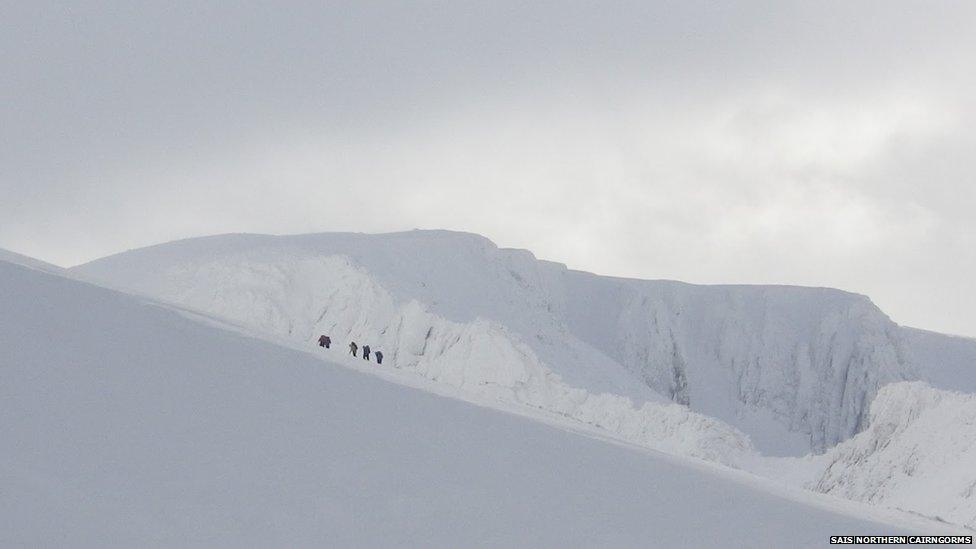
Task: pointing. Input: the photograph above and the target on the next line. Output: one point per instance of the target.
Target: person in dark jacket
(352, 348)
(325, 341)
(365, 352)
(379, 357)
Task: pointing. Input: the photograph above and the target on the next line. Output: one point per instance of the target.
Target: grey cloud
(812, 143)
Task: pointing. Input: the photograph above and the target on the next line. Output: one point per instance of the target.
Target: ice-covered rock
(918, 454)
(776, 361)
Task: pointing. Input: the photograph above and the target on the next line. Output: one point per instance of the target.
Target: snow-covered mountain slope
(794, 368)
(775, 361)
(307, 296)
(126, 424)
(918, 454)
(946, 362)
(19, 259)
(457, 276)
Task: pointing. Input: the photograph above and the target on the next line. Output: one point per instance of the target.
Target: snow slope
(19, 259)
(946, 362)
(919, 455)
(306, 296)
(793, 368)
(126, 424)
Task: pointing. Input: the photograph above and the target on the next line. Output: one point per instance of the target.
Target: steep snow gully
(724, 373)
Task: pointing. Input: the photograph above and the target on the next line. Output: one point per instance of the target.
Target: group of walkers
(326, 341)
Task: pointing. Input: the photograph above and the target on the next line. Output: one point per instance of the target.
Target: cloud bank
(823, 144)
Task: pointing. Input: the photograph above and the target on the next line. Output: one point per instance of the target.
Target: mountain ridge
(463, 276)
(143, 427)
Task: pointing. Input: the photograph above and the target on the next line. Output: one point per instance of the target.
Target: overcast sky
(816, 143)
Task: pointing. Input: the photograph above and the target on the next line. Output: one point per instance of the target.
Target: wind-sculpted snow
(918, 454)
(794, 368)
(307, 296)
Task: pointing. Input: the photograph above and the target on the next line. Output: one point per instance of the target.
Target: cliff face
(808, 359)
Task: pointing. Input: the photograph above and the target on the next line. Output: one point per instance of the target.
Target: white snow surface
(124, 423)
(793, 368)
(918, 455)
(946, 362)
(700, 371)
(307, 296)
(25, 261)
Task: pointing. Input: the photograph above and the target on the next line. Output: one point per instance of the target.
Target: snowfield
(124, 423)
(735, 375)
(315, 295)
(793, 368)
